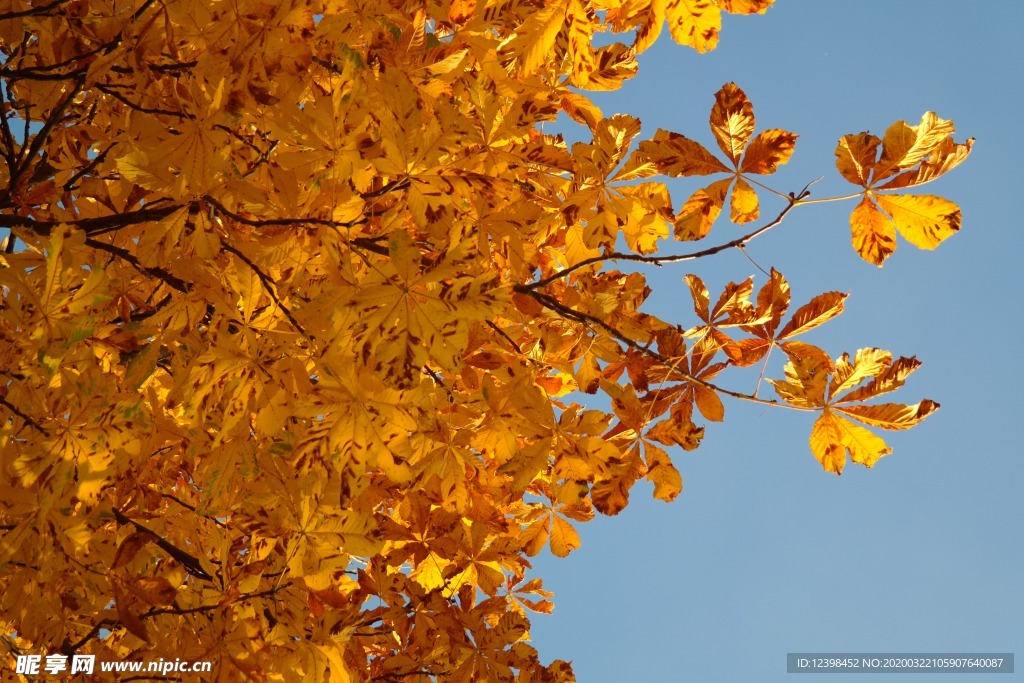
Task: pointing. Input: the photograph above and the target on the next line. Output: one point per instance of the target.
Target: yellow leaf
(802, 350)
(864, 447)
(700, 295)
(868, 362)
(461, 10)
(580, 109)
(732, 121)
(129, 548)
(677, 155)
(944, 158)
(924, 220)
(746, 6)
(128, 617)
(826, 443)
(694, 22)
(891, 415)
(832, 437)
(581, 33)
(698, 214)
(768, 151)
(535, 536)
(446, 65)
(152, 590)
(668, 483)
(743, 205)
(677, 431)
(152, 175)
(564, 538)
(874, 236)
(856, 156)
(708, 403)
(889, 379)
(817, 311)
(536, 36)
(806, 379)
(612, 65)
(430, 572)
(905, 146)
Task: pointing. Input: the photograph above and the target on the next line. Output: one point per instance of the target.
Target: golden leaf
(743, 204)
(564, 538)
(461, 10)
(698, 214)
(746, 6)
(581, 33)
(537, 35)
(677, 155)
(612, 64)
(874, 236)
(152, 590)
(946, 156)
(855, 157)
(694, 22)
(905, 146)
(891, 415)
(818, 310)
(768, 151)
(924, 220)
(732, 121)
(832, 438)
(129, 548)
(668, 483)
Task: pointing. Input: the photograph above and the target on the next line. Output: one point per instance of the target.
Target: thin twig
(189, 562)
(91, 226)
(25, 418)
(123, 254)
(507, 338)
(659, 260)
(556, 306)
(268, 285)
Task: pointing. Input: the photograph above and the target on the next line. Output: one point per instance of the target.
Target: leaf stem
(823, 200)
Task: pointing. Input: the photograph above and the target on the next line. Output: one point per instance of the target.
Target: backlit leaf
(924, 220)
(732, 121)
(874, 236)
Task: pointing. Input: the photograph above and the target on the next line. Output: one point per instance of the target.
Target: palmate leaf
(773, 303)
(812, 384)
(732, 121)
(257, 296)
(732, 125)
(907, 156)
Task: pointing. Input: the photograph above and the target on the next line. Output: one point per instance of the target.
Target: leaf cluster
(299, 302)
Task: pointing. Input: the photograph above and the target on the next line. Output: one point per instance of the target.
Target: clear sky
(764, 553)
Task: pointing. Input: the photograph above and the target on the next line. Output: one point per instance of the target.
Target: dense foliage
(299, 300)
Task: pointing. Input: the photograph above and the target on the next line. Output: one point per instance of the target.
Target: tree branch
(556, 306)
(138, 107)
(189, 562)
(261, 223)
(123, 254)
(659, 260)
(185, 505)
(92, 226)
(109, 623)
(35, 11)
(70, 184)
(268, 285)
(25, 418)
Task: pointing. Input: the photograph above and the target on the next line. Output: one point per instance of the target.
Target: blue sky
(764, 553)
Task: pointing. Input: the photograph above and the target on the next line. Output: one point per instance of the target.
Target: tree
(298, 300)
